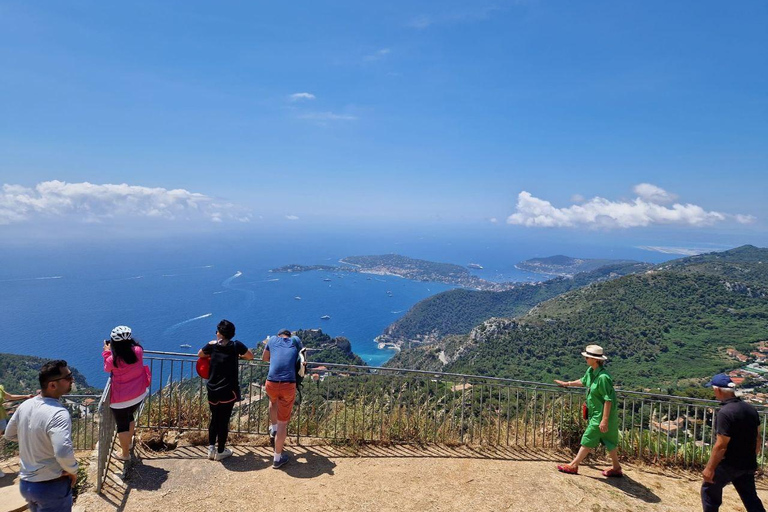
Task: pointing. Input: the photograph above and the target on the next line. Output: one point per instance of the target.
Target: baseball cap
(721, 380)
(284, 331)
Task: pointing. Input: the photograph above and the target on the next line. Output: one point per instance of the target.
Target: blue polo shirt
(283, 353)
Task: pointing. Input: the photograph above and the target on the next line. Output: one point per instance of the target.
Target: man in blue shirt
(281, 351)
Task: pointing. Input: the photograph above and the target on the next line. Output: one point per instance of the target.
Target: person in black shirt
(734, 456)
(223, 385)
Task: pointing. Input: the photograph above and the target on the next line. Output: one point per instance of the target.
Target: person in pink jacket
(124, 359)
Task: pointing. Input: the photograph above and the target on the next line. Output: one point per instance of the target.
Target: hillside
(18, 374)
(321, 347)
(458, 311)
(669, 323)
(565, 265)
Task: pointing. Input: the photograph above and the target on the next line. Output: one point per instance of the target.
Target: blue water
(62, 301)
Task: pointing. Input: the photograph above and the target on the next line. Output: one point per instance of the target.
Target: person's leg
(745, 486)
(282, 434)
(123, 419)
(273, 414)
(132, 432)
(55, 496)
(285, 399)
(225, 413)
(614, 454)
(712, 493)
(580, 456)
(272, 408)
(27, 491)
(212, 425)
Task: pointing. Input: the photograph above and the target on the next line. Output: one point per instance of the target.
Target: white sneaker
(211, 452)
(119, 456)
(223, 455)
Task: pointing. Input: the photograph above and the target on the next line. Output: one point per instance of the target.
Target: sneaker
(223, 455)
(211, 452)
(1, 473)
(119, 456)
(280, 462)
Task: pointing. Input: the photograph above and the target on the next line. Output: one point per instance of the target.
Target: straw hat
(595, 352)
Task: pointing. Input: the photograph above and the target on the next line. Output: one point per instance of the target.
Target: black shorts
(124, 417)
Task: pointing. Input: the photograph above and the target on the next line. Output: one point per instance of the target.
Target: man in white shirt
(43, 428)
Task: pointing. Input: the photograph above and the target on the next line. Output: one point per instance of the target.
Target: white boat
(297, 297)
(475, 265)
(185, 345)
(325, 317)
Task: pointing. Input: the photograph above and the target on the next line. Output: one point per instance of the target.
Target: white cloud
(577, 198)
(326, 116)
(653, 194)
(291, 217)
(450, 18)
(300, 96)
(685, 251)
(93, 203)
(745, 219)
(600, 212)
(493, 220)
(380, 54)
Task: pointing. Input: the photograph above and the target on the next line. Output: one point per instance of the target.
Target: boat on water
(326, 279)
(325, 317)
(297, 297)
(185, 345)
(475, 265)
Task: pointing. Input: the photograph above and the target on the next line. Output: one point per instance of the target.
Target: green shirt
(600, 390)
(3, 414)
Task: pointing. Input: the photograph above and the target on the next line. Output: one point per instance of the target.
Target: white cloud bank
(645, 210)
(300, 96)
(98, 203)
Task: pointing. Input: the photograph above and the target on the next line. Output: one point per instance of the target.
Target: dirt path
(390, 479)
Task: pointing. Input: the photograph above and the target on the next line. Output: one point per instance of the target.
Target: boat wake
(231, 278)
(176, 326)
(44, 278)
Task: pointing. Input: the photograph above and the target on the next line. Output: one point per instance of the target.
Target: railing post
(107, 433)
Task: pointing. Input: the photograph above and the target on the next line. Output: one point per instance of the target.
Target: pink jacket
(128, 380)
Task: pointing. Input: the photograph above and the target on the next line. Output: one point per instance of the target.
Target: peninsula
(565, 266)
(408, 268)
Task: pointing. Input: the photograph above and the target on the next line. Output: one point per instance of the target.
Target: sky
(521, 117)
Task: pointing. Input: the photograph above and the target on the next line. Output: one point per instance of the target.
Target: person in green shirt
(5, 396)
(602, 416)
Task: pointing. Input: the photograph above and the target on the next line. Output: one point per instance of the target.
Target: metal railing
(374, 404)
(107, 433)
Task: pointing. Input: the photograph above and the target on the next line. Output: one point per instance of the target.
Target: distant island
(408, 268)
(565, 266)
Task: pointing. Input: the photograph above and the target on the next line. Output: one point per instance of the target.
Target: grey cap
(283, 331)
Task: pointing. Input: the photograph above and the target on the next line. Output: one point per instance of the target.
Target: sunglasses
(68, 377)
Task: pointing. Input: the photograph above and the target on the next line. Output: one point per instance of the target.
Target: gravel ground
(394, 478)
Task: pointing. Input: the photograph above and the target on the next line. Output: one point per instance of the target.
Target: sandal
(565, 468)
(613, 472)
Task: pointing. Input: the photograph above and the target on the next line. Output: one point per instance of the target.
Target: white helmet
(120, 333)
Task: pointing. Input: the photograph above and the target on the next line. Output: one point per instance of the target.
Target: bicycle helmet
(121, 333)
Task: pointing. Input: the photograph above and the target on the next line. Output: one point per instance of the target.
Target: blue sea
(62, 300)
